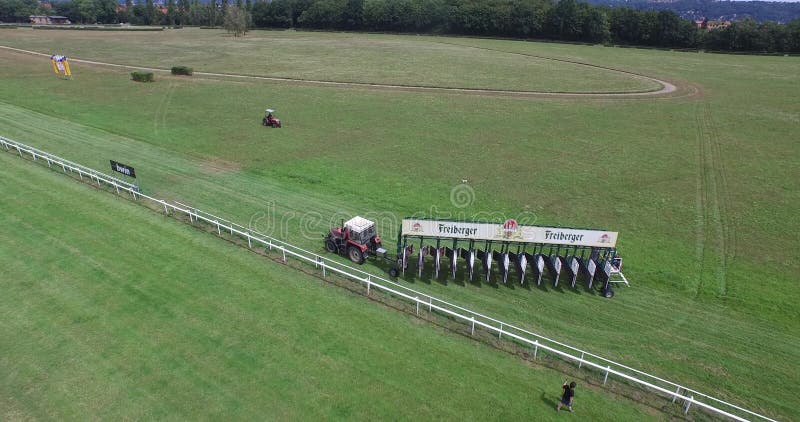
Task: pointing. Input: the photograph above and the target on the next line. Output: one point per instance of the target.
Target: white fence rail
(473, 319)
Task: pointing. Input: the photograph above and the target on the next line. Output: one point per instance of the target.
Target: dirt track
(666, 87)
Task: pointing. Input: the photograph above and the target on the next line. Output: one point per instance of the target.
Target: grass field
(156, 320)
(336, 57)
(702, 188)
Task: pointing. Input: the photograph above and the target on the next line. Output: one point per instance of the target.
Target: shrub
(143, 76)
(182, 70)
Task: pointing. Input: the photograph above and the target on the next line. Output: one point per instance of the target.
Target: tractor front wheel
(330, 246)
(355, 254)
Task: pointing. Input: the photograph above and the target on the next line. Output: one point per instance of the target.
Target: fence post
(218, 230)
(283, 249)
(34, 156)
(430, 304)
(80, 174)
(98, 180)
(166, 211)
(323, 270)
(677, 391)
(417, 300)
(608, 368)
(535, 349)
(581, 361)
(500, 333)
(369, 283)
(473, 325)
(20, 152)
(116, 187)
(249, 242)
(688, 404)
(49, 163)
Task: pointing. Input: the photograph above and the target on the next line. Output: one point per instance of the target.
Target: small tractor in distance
(270, 120)
(356, 239)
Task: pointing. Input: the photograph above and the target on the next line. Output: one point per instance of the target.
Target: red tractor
(356, 238)
(270, 120)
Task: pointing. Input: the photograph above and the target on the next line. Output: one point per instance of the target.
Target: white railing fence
(472, 319)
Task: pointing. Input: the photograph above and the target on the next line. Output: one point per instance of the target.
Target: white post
(98, 180)
(116, 187)
(63, 168)
(34, 156)
(49, 163)
(677, 391)
(581, 361)
(249, 242)
(688, 404)
(500, 333)
(19, 151)
(80, 175)
(218, 231)
(417, 299)
(323, 270)
(608, 368)
(473, 325)
(369, 283)
(283, 249)
(535, 349)
(166, 211)
(430, 304)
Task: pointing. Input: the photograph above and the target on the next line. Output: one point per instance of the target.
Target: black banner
(122, 168)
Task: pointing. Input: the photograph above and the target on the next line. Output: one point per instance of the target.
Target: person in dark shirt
(567, 396)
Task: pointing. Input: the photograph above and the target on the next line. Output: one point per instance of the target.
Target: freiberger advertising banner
(509, 231)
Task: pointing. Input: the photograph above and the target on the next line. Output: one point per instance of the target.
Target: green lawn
(702, 188)
(331, 57)
(152, 319)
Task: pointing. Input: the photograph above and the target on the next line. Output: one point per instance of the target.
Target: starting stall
(509, 252)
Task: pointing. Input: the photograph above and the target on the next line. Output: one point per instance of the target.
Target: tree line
(563, 20)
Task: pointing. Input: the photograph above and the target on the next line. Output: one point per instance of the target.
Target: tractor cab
(357, 238)
(360, 229)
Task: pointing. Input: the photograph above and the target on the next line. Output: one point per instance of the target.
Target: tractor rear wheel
(393, 272)
(330, 246)
(355, 254)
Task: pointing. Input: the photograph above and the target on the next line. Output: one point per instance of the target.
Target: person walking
(567, 396)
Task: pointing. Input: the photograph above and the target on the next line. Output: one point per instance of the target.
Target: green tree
(17, 10)
(236, 21)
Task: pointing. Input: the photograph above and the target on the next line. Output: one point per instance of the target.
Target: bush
(143, 76)
(182, 70)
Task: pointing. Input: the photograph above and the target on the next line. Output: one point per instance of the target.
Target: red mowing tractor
(356, 238)
(270, 120)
